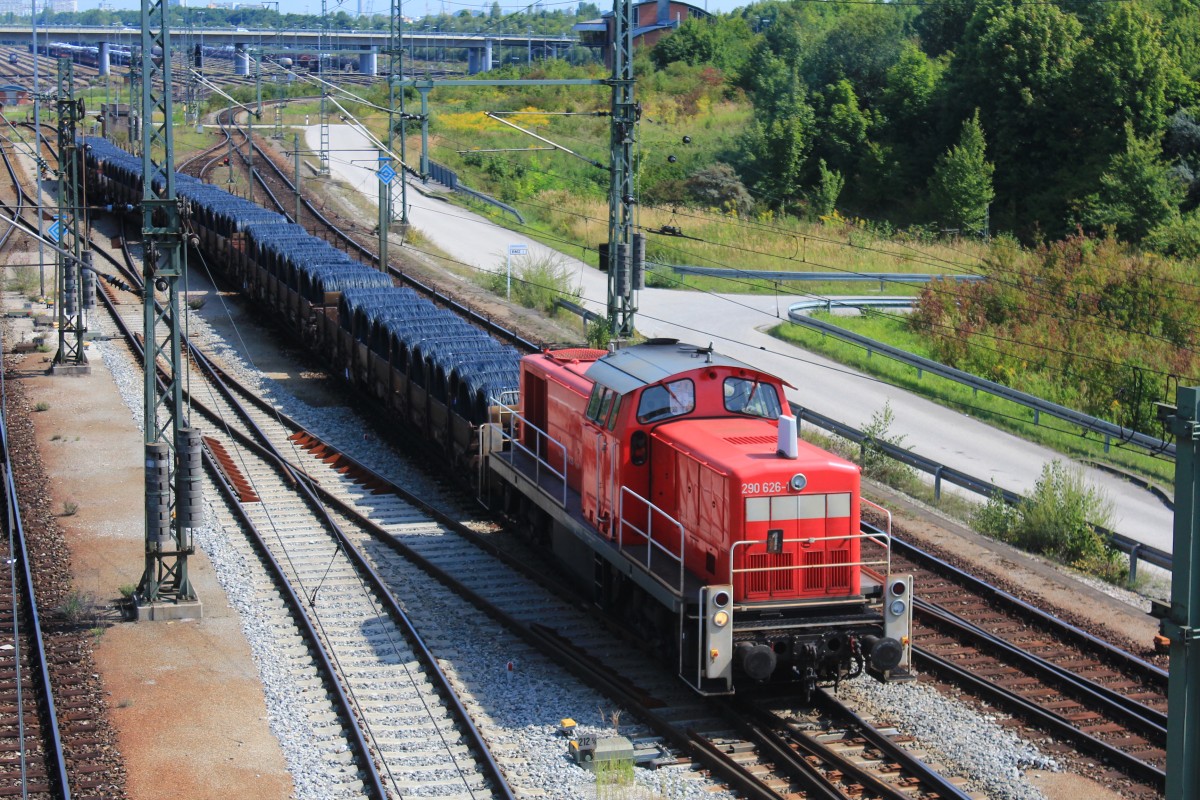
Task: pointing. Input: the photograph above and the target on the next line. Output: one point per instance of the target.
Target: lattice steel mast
(621, 285)
(324, 41)
(168, 524)
(70, 256)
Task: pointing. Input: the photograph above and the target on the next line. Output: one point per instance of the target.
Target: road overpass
(479, 45)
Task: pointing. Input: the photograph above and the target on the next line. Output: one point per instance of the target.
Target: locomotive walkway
(737, 324)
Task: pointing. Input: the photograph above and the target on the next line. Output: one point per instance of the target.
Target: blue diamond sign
(387, 174)
(55, 231)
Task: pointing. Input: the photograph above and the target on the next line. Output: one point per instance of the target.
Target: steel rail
(1131, 711)
(53, 735)
(346, 709)
(1051, 721)
(1082, 638)
(768, 721)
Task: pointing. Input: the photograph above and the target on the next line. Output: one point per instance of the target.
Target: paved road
(735, 324)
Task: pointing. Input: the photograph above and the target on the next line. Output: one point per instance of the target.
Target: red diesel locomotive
(670, 480)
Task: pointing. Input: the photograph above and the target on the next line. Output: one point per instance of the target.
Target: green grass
(993, 410)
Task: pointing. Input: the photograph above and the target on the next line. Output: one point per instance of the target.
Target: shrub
(599, 335)
(996, 517)
(69, 509)
(536, 282)
(718, 186)
(1059, 519)
(875, 462)
(41, 407)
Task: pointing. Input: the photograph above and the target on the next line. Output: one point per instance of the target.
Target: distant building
(652, 20)
(12, 95)
(62, 6)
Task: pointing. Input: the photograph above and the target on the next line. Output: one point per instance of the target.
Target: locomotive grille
(814, 578)
(818, 577)
(750, 439)
(839, 577)
(779, 580)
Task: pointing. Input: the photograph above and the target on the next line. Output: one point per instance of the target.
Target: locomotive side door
(607, 462)
(608, 457)
(601, 470)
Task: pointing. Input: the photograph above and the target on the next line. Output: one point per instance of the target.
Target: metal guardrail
(1109, 430)
(449, 178)
(830, 303)
(575, 308)
(841, 277)
(940, 472)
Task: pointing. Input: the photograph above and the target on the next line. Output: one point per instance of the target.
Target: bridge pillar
(368, 62)
(479, 59)
(241, 59)
(102, 63)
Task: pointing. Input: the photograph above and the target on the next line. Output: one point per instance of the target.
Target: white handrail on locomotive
(514, 441)
(884, 511)
(807, 540)
(650, 540)
(886, 542)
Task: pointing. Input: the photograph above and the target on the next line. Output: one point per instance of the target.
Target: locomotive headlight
(721, 619)
(798, 482)
(897, 608)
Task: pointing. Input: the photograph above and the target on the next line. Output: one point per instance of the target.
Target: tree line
(1035, 118)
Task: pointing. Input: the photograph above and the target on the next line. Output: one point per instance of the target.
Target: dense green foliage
(1083, 322)
(1088, 111)
(961, 187)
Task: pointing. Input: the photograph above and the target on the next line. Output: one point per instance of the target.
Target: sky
(415, 8)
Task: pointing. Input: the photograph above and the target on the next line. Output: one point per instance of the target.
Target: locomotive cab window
(593, 406)
(666, 400)
(603, 405)
(616, 409)
(606, 405)
(752, 397)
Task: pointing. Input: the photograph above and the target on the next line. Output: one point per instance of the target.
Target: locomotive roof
(631, 368)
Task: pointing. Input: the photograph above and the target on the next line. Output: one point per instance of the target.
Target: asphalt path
(736, 325)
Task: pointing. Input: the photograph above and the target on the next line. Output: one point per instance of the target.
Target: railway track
(1058, 678)
(53, 726)
(374, 512)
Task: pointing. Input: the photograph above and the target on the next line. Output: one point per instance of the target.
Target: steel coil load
(318, 280)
